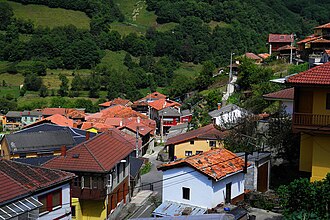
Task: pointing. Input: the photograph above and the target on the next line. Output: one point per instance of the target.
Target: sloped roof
(154, 95)
(15, 114)
(142, 129)
(226, 109)
(78, 135)
(252, 56)
(186, 112)
(31, 113)
(100, 127)
(285, 94)
(327, 51)
(208, 132)
(319, 75)
(324, 26)
(308, 39)
(75, 114)
(38, 141)
(54, 119)
(19, 179)
(217, 163)
(116, 101)
(286, 47)
(53, 111)
(169, 112)
(99, 154)
(135, 166)
(163, 103)
(264, 55)
(280, 38)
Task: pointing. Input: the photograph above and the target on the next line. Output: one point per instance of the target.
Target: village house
(285, 97)
(194, 142)
(228, 115)
(186, 116)
(56, 119)
(101, 165)
(116, 101)
(142, 105)
(202, 181)
(276, 41)
(311, 118)
(15, 120)
(30, 192)
(253, 57)
(35, 144)
(312, 46)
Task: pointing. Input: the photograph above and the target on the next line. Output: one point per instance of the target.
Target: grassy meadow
(44, 16)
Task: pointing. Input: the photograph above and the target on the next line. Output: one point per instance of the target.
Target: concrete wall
(199, 145)
(219, 188)
(200, 187)
(204, 192)
(228, 118)
(66, 208)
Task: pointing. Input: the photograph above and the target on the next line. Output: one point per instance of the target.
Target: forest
(152, 57)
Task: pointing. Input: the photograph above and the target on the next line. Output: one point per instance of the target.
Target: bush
(146, 168)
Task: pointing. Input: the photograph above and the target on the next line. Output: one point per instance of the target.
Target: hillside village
(246, 136)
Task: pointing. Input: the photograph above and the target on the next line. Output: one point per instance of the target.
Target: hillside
(138, 46)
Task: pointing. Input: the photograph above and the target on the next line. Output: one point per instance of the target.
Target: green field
(189, 69)
(50, 17)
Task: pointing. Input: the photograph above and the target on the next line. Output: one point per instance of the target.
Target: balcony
(311, 121)
(90, 194)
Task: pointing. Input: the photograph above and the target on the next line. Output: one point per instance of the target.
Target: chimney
(75, 125)
(63, 151)
(219, 105)
(121, 123)
(87, 135)
(138, 120)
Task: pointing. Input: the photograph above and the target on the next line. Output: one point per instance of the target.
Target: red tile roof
(324, 26)
(327, 51)
(163, 103)
(286, 47)
(142, 129)
(308, 39)
(319, 75)
(75, 114)
(54, 119)
(252, 56)
(208, 132)
(99, 154)
(116, 111)
(286, 94)
(264, 55)
(116, 101)
(280, 38)
(53, 111)
(98, 126)
(19, 179)
(216, 164)
(155, 95)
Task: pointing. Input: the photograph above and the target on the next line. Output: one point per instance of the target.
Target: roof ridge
(94, 157)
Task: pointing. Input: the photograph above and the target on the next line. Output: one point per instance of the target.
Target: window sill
(57, 207)
(43, 213)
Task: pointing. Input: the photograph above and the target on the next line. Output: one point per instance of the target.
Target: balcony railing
(86, 193)
(308, 119)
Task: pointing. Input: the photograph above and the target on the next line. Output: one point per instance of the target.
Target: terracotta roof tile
(280, 38)
(252, 56)
(308, 39)
(116, 101)
(53, 111)
(19, 179)
(264, 55)
(319, 75)
(98, 154)
(54, 119)
(287, 94)
(324, 26)
(286, 47)
(163, 103)
(208, 132)
(155, 95)
(216, 164)
(116, 111)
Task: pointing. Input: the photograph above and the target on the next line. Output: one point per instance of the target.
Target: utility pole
(230, 72)
(137, 142)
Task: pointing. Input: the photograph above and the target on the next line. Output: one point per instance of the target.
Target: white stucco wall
(200, 187)
(204, 192)
(219, 188)
(65, 204)
(288, 107)
(230, 117)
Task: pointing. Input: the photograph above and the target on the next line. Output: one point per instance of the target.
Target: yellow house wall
(75, 202)
(321, 157)
(92, 130)
(199, 145)
(93, 210)
(319, 102)
(306, 153)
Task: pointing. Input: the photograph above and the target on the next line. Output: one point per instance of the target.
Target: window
(73, 211)
(109, 180)
(192, 142)
(124, 169)
(199, 151)
(77, 181)
(212, 143)
(188, 153)
(328, 101)
(50, 201)
(87, 182)
(186, 193)
(118, 172)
